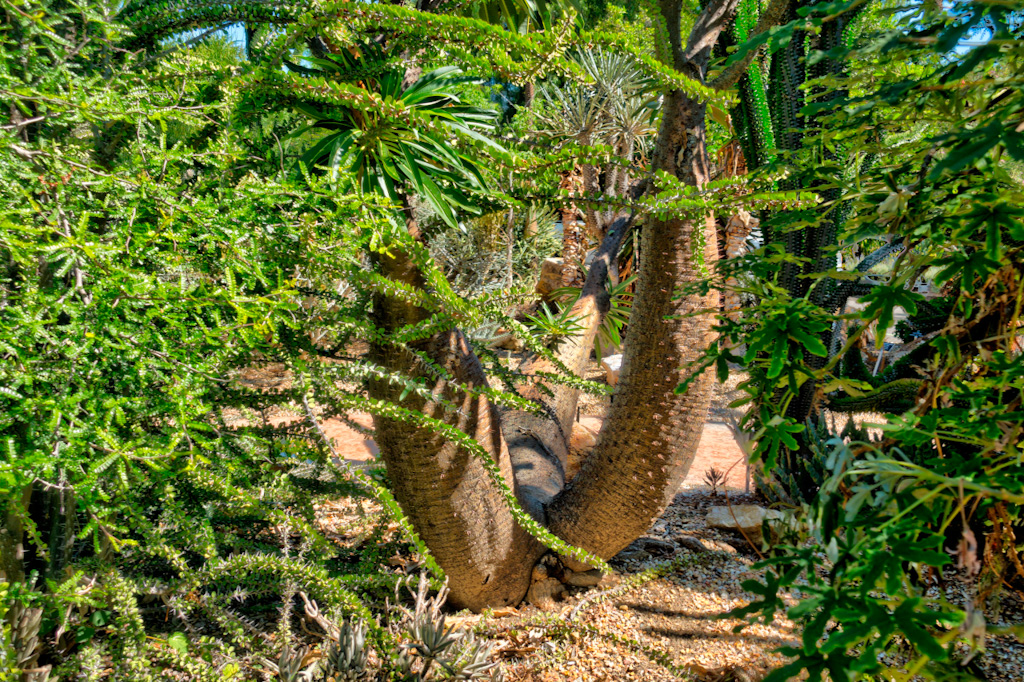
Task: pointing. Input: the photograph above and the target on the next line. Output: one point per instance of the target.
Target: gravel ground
(663, 628)
(668, 626)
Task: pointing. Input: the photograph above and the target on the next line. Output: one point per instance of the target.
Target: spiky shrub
(152, 509)
(432, 650)
(495, 251)
(144, 269)
(346, 659)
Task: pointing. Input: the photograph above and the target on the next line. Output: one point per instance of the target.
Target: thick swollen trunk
(647, 443)
(12, 531)
(650, 437)
(445, 491)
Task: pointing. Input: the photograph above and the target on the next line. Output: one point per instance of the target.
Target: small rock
(550, 277)
(544, 590)
(545, 593)
(745, 518)
(717, 546)
(584, 579)
(612, 364)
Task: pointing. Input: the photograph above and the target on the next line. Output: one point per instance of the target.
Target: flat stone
(612, 364)
(743, 518)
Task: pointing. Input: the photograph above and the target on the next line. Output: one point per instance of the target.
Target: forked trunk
(650, 437)
(649, 440)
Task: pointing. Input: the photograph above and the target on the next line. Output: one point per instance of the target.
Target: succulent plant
(346, 659)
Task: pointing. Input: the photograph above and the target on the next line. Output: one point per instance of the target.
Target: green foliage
(551, 325)
(488, 254)
(945, 476)
(160, 241)
(137, 463)
(620, 304)
(393, 154)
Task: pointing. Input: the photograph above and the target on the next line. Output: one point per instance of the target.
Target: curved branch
(771, 17)
(539, 444)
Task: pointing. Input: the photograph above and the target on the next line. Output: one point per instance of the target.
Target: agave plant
(405, 146)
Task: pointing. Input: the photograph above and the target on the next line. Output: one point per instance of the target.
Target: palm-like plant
(616, 108)
(613, 105)
(406, 146)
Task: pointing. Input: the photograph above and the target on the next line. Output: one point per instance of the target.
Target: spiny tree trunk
(650, 437)
(445, 491)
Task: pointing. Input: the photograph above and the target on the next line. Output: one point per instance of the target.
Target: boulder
(744, 518)
(612, 364)
(550, 277)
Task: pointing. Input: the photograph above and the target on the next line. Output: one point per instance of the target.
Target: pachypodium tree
(481, 475)
(150, 257)
(615, 110)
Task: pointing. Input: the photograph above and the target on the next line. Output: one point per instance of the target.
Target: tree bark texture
(651, 435)
(444, 490)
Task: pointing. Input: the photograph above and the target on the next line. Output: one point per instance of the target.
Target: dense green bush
(931, 122)
(145, 263)
(161, 243)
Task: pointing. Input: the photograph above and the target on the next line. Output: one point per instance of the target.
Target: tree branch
(769, 18)
(706, 29)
